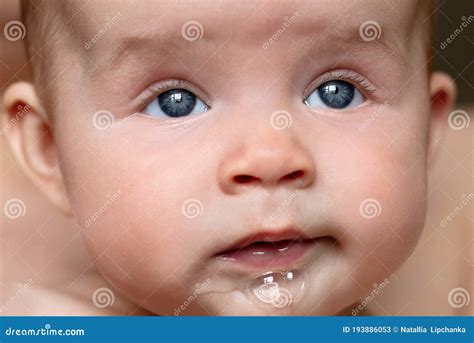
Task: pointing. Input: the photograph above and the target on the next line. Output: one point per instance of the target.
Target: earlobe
(28, 131)
(443, 95)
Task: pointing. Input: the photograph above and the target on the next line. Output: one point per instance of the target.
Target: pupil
(336, 94)
(177, 102)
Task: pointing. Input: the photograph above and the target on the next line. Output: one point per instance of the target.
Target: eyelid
(344, 75)
(165, 85)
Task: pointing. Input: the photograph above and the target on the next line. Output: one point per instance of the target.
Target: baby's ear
(28, 131)
(443, 95)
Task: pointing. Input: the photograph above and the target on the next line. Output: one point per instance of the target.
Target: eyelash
(356, 79)
(163, 86)
(361, 83)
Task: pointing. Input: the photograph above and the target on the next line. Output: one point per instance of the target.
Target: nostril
(245, 179)
(294, 175)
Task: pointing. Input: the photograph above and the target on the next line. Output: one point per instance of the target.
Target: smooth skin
(142, 244)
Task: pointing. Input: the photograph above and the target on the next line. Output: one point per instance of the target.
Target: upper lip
(267, 235)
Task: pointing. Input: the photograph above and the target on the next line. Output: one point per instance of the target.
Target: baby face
(245, 158)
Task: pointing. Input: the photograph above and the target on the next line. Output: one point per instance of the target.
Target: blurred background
(454, 22)
(441, 263)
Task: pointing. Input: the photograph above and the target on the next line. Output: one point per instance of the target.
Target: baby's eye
(335, 94)
(175, 103)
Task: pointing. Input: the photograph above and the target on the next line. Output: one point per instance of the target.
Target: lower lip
(270, 254)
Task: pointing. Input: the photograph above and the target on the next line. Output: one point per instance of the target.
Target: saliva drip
(277, 289)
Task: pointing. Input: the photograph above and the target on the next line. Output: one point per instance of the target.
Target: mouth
(269, 250)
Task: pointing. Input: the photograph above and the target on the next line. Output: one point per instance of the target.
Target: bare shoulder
(33, 299)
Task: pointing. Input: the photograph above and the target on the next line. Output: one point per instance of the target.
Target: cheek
(129, 200)
(378, 181)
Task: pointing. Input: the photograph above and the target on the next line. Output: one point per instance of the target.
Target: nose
(268, 159)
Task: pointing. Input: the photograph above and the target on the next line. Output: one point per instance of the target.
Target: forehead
(154, 28)
(245, 22)
(134, 40)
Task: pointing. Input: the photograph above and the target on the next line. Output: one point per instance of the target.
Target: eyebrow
(136, 45)
(351, 38)
(130, 46)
